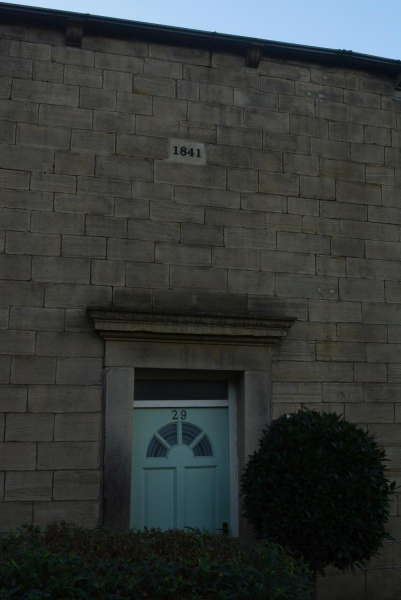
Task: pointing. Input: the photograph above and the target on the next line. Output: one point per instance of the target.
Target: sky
(367, 26)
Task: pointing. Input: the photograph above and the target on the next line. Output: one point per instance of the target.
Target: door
(180, 468)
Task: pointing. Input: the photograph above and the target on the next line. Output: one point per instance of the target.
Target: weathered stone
(74, 163)
(92, 141)
(46, 182)
(288, 262)
(163, 68)
(180, 254)
(299, 242)
(64, 399)
(28, 485)
(220, 77)
(342, 312)
(134, 103)
(279, 183)
(330, 149)
(261, 202)
(372, 269)
(370, 116)
(81, 514)
(117, 81)
(311, 371)
(154, 86)
(98, 99)
(249, 282)
(29, 427)
(85, 204)
(358, 332)
(250, 99)
(113, 122)
(79, 371)
(205, 176)
(360, 289)
(165, 211)
(265, 120)
(45, 92)
(283, 222)
(301, 125)
(306, 286)
(76, 485)
(144, 146)
(77, 427)
(245, 258)
(198, 278)
(17, 157)
(115, 45)
(68, 344)
(342, 392)
(60, 270)
(104, 187)
(346, 132)
(320, 188)
(33, 243)
(86, 76)
(40, 319)
(13, 398)
(13, 219)
(13, 514)
(48, 71)
(341, 351)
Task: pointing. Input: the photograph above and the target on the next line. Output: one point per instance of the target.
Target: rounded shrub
(317, 485)
(69, 563)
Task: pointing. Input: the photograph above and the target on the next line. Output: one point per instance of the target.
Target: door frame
(231, 404)
(240, 344)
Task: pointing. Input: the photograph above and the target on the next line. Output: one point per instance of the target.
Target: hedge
(71, 563)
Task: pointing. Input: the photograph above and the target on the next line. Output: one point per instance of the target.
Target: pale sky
(367, 26)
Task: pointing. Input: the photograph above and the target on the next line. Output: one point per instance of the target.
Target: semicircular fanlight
(203, 447)
(169, 433)
(189, 433)
(156, 449)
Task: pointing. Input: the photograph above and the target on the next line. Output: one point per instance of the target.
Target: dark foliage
(317, 485)
(70, 563)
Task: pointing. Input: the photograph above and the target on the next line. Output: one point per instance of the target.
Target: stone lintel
(199, 328)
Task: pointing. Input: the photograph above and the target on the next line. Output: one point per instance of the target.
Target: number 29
(182, 416)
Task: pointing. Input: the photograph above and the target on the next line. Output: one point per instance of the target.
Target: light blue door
(180, 468)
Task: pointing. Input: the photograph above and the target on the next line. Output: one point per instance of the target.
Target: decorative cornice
(185, 327)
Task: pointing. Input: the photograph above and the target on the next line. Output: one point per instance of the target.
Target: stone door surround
(195, 341)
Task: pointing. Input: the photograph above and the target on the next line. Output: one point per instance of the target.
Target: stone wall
(296, 213)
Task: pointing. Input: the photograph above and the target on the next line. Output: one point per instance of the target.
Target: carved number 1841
(183, 151)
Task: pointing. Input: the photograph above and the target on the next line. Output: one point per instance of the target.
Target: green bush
(69, 563)
(317, 485)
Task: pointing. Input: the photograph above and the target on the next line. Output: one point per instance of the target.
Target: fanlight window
(167, 437)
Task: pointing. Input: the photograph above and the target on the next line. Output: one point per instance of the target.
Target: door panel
(180, 468)
(159, 498)
(201, 505)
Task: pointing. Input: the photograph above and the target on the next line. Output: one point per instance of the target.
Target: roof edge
(212, 41)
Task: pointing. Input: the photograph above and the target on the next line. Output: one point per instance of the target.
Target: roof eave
(202, 39)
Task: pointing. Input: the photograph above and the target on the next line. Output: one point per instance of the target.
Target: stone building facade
(274, 255)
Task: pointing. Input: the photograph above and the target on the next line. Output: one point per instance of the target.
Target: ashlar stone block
(76, 485)
(28, 485)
